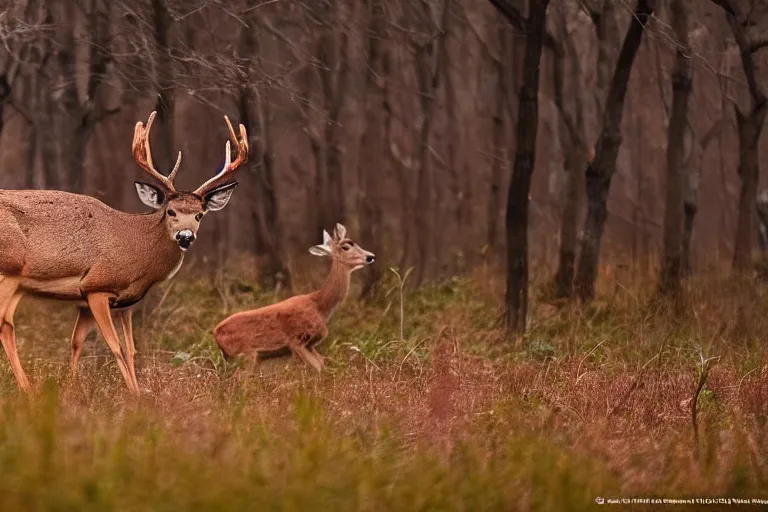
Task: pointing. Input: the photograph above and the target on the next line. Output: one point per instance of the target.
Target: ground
(595, 401)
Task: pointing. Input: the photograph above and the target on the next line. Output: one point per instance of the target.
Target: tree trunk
(372, 144)
(689, 216)
(255, 116)
(577, 155)
(497, 171)
(690, 197)
(670, 278)
(424, 186)
(507, 57)
(520, 184)
(85, 116)
(600, 171)
(429, 61)
(334, 72)
(569, 227)
(165, 103)
(750, 127)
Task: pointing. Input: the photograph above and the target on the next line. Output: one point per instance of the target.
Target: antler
(229, 166)
(143, 154)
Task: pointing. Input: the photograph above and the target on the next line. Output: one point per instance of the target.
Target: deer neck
(166, 255)
(334, 290)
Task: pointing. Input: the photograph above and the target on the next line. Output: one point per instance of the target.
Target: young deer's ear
(323, 249)
(320, 250)
(340, 233)
(150, 195)
(219, 197)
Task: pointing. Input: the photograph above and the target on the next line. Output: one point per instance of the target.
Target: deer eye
(346, 246)
(198, 217)
(171, 213)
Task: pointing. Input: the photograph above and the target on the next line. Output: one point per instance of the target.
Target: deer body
(300, 323)
(75, 248)
(68, 265)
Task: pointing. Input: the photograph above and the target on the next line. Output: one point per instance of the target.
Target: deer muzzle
(184, 238)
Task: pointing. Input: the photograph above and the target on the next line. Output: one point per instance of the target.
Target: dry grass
(594, 401)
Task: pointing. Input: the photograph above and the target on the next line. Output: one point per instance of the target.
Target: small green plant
(703, 366)
(401, 281)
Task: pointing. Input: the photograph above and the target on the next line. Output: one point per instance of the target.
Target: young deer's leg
(306, 355)
(83, 326)
(99, 304)
(9, 299)
(320, 359)
(126, 320)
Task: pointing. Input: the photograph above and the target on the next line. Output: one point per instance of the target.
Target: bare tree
(374, 142)
(525, 159)
(255, 114)
(498, 154)
(602, 168)
(428, 47)
(750, 127)
(670, 278)
(577, 152)
(692, 171)
(83, 115)
(326, 25)
(165, 83)
(501, 64)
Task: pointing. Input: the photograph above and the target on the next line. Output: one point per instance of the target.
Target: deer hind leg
(99, 304)
(83, 326)
(9, 299)
(126, 320)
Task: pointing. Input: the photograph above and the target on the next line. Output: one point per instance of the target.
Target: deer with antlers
(75, 248)
(296, 325)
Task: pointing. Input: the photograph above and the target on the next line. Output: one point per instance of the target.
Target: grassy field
(594, 401)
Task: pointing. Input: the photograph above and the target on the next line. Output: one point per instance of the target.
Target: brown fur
(49, 235)
(73, 247)
(299, 323)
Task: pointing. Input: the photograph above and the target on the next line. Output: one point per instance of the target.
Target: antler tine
(143, 154)
(229, 166)
(172, 176)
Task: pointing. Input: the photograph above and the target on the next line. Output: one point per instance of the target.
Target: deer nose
(370, 259)
(185, 238)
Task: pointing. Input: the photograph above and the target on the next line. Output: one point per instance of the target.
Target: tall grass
(441, 413)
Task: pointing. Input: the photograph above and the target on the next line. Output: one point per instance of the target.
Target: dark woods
(616, 136)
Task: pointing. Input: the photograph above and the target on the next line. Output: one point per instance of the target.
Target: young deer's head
(184, 210)
(343, 250)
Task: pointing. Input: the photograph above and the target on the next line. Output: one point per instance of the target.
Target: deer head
(343, 250)
(182, 210)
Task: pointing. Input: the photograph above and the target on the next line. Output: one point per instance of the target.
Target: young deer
(75, 248)
(299, 323)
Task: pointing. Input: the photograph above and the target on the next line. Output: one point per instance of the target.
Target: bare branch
(758, 97)
(513, 15)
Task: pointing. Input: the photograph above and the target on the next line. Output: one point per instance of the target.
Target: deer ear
(219, 197)
(150, 195)
(326, 238)
(340, 232)
(320, 250)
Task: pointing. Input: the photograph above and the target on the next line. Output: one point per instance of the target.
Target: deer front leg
(306, 355)
(9, 299)
(320, 359)
(99, 304)
(319, 336)
(126, 319)
(83, 326)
